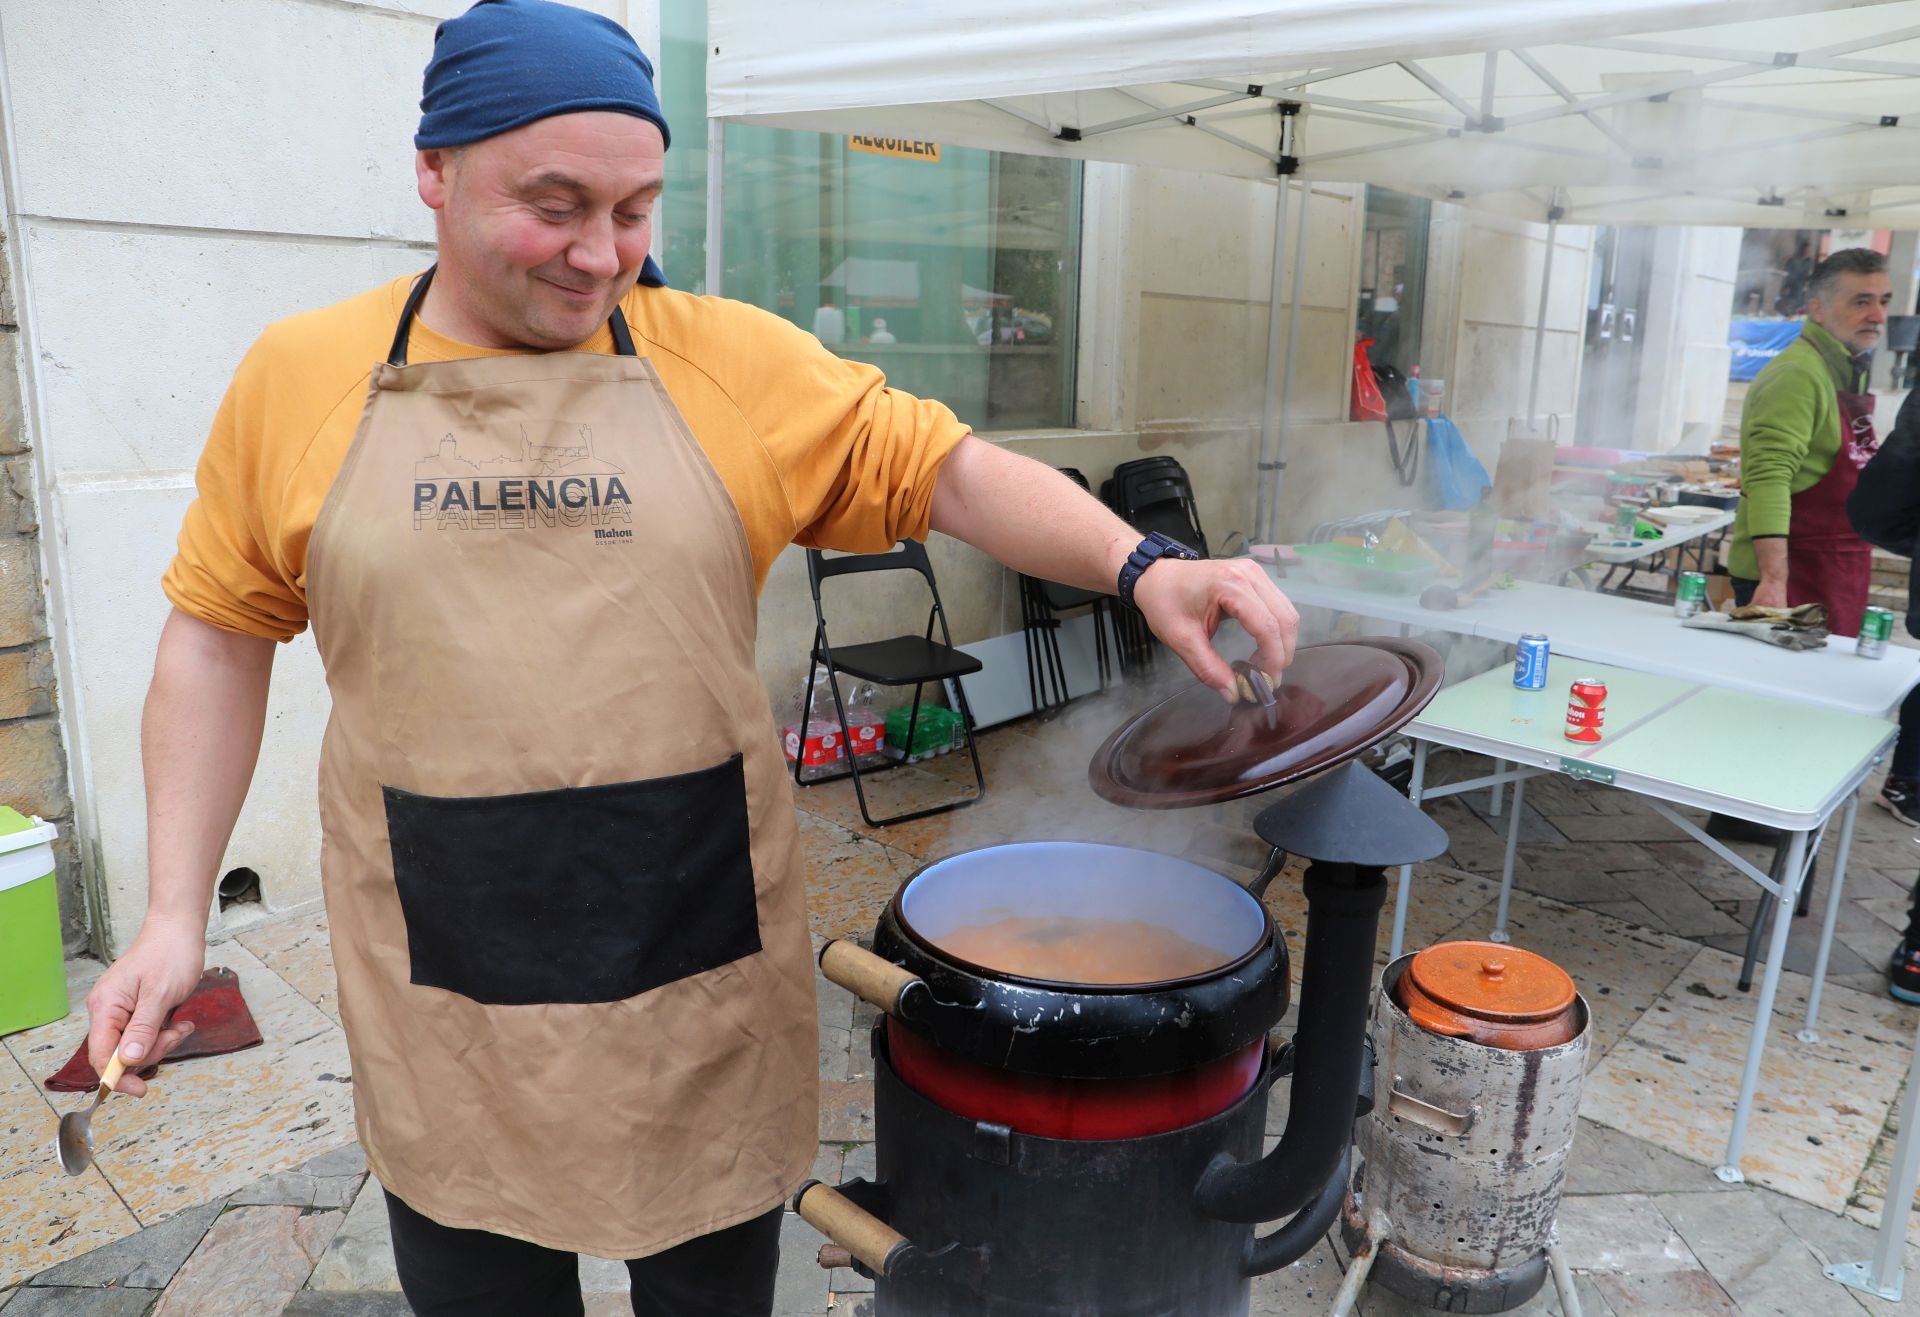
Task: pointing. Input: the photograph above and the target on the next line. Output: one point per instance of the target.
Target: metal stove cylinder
(1465, 1157)
(1013, 1225)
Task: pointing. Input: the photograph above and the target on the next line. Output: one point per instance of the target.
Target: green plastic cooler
(33, 972)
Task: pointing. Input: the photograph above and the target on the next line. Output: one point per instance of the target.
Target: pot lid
(1332, 703)
(1493, 982)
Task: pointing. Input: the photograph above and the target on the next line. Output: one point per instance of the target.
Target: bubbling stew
(1078, 949)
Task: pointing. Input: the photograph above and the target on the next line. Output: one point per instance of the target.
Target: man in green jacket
(1805, 432)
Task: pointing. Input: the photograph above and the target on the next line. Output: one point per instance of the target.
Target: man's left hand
(1183, 602)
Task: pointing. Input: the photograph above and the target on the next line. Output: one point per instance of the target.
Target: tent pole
(1265, 472)
(716, 196)
(1293, 350)
(1540, 330)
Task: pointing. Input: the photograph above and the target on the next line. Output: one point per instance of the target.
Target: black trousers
(446, 1272)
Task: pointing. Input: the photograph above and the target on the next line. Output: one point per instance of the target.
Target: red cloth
(1827, 563)
(221, 1024)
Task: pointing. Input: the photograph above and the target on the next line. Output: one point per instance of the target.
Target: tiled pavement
(234, 1187)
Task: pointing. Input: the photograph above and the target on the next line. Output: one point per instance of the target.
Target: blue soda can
(1530, 662)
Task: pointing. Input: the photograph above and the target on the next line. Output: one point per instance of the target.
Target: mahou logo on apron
(517, 480)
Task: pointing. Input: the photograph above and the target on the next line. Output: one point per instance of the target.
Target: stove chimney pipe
(1352, 825)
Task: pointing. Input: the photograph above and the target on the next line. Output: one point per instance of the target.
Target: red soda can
(1586, 709)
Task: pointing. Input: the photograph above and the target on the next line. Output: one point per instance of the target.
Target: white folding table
(1646, 637)
(1682, 540)
(1675, 741)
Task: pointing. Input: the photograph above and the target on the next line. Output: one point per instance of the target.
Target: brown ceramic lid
(1333, 702)
(1493, 982)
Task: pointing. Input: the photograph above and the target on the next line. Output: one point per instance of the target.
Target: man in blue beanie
(527, 500)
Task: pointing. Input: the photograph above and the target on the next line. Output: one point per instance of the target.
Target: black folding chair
(900, 661)
(1042, 604)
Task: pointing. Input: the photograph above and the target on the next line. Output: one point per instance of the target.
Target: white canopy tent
(1791, 109)
(1752, 113)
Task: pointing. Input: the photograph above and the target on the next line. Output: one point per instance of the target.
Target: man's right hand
(1770, 594)
(127, 1009)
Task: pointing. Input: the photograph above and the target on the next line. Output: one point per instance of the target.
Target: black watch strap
(1148, 552)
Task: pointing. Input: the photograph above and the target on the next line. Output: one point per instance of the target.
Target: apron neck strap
(397, 353)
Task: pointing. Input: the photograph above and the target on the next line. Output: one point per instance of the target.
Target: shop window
(1393, 279)
(955, 271)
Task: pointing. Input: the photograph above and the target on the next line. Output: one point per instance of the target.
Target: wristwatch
(1148, 552)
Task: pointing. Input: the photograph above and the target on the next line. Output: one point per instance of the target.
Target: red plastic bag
(1368, 405)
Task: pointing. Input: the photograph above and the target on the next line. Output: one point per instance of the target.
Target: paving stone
(606, 1305)
(852, 1305)
(1574, 883)
(1751, 1252)
(253, 1260)
(1472, 844)
(1629, 911)
(147, 1260)
(360, 1255)
(846, 1111)
(1801, 953)
(310, 1303)
(63, 1301)
(1606, 1161)
(1668, 1294)
(1890, 857)
(801, 1288)
(1593, 1303)
(1865, 882)
(1622, 1234)
(1306, 1286)
(299, 1189)
(1614, 827)
(1679, 908)
(1534, 827)
(836, 1048)
(348, 1160)
(604, 1276)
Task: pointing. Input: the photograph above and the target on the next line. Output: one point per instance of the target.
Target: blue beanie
(507, 63)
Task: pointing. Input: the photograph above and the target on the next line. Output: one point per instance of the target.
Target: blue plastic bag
(1456, 476)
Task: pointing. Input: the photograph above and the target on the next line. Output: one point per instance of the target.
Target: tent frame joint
(1067, 134)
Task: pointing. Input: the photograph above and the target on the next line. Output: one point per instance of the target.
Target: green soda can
(1876, 628)
(1690, 595)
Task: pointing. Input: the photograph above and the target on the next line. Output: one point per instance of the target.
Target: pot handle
(1427, 1116)
(879, 982)
(878, 1246)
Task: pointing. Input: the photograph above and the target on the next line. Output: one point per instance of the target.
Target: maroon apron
(1826, 562)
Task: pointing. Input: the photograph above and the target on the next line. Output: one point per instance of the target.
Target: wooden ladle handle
(867, 976)
(850, 1226)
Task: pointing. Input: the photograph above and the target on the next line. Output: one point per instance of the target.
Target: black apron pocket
(586, 894)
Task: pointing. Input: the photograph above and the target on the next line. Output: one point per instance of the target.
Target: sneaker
(1902, 796)
(1905, 970)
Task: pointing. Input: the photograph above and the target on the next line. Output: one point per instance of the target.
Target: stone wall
(33, 762)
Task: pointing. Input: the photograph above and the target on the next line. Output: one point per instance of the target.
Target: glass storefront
(1393, 278)
(955, 271)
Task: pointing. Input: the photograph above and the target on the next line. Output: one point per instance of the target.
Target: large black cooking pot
(1077, 1030)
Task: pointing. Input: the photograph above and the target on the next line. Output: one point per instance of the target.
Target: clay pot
(1487, 993)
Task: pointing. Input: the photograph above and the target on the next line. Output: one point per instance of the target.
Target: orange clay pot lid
(1488, 981)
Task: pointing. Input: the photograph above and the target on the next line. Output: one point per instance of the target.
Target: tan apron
(559, 850)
